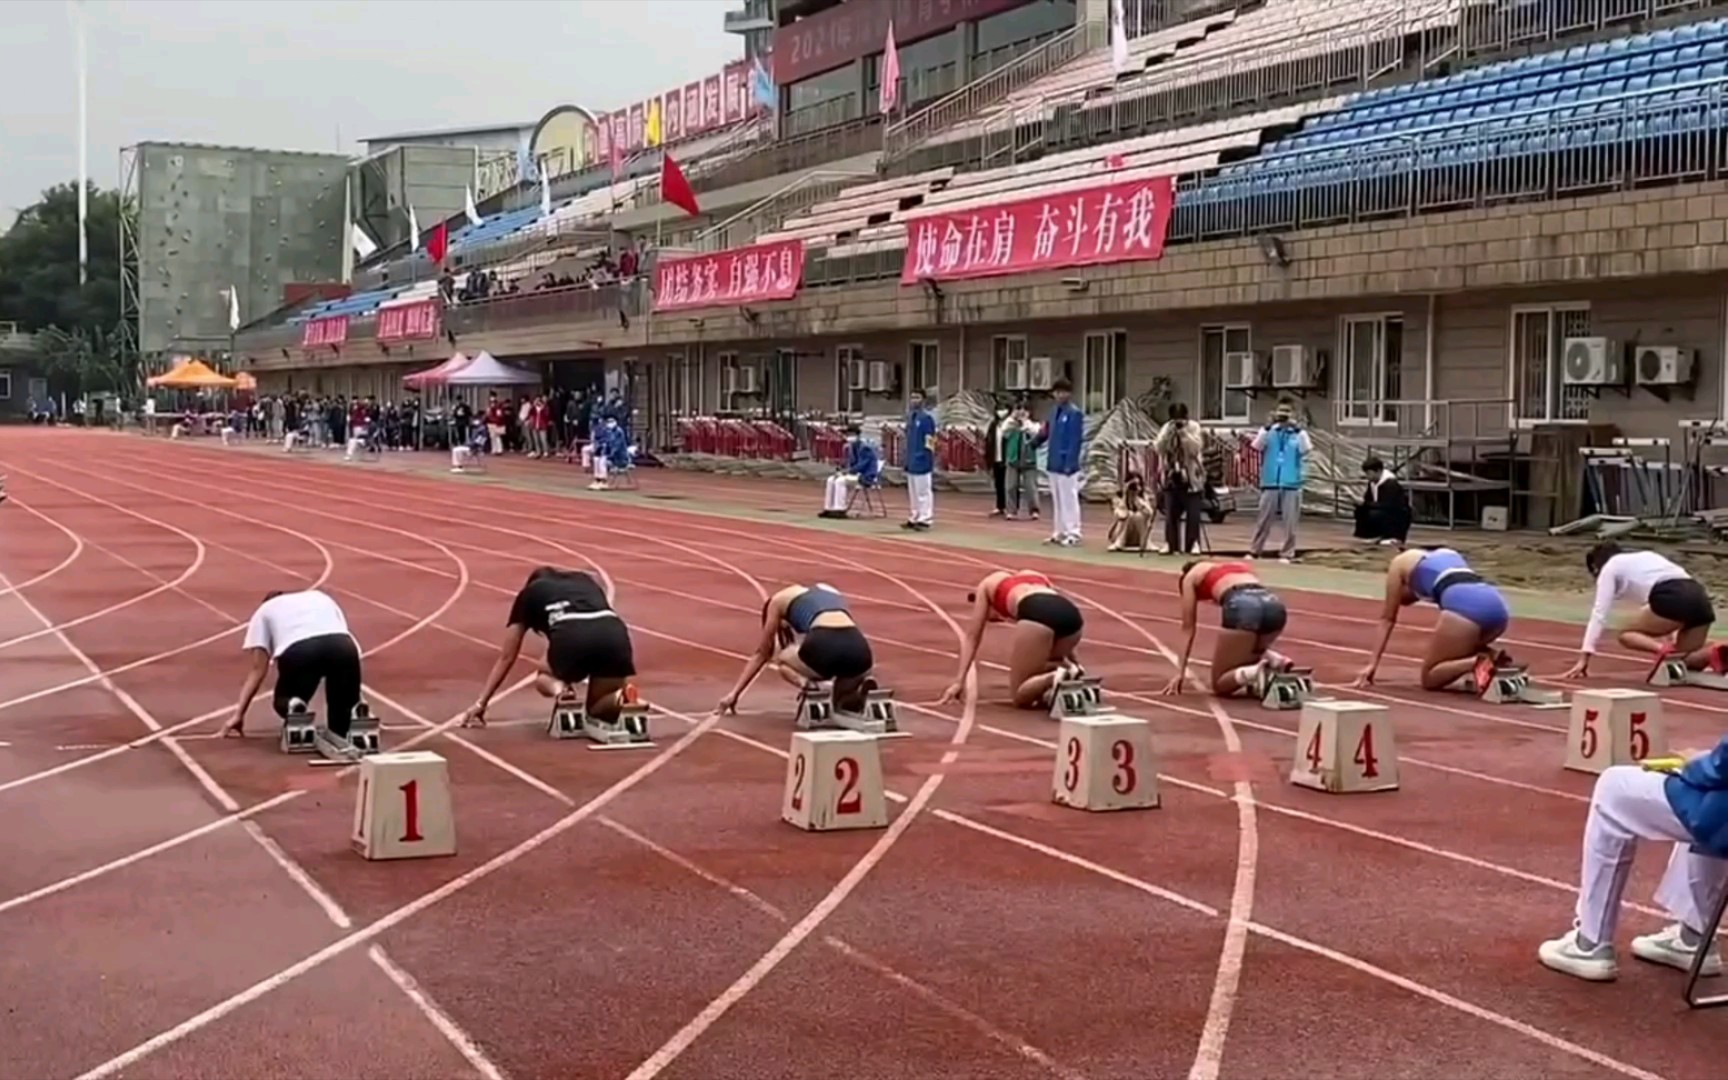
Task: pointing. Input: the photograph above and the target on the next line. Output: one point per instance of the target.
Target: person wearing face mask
(994, 438)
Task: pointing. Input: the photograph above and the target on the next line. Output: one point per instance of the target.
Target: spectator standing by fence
(1181, 459)
(1020, 450)
(1066, 433)
(1284, 447)
(994, 437)
(920, 463)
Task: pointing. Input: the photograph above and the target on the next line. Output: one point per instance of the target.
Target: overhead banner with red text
(410, 322)
(730, 278)
(323, 333)
(1111, 223)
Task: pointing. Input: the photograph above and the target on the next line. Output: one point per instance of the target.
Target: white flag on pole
(1118, 38)
(545, 194)
(468, 208)
(233, 308)
(413, 229)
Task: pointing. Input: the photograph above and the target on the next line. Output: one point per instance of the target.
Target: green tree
(39, 287)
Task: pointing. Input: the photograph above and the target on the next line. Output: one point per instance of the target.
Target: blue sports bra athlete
(1442, 577)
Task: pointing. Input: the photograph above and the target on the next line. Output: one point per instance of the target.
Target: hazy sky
(291, 74)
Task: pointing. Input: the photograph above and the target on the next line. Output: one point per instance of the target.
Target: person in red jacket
(497, 422)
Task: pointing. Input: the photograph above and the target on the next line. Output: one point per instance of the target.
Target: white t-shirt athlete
(293, 617)
(1627, 577)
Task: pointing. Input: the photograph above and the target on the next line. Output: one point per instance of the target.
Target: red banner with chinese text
(411, 322)
(730, 278)
(1111, 223)
(322, 333)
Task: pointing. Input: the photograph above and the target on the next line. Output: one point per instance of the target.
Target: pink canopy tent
(437, 373)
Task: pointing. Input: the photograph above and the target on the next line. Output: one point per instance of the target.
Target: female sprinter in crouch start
(1473, 615)
(1046, 628)
(586, 641)
(1250, 619)
(810, 637)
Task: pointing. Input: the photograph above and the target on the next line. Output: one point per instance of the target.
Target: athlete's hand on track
(951, 695)
(1366, 678)
(475, 716)
(1576, 671)
(1174, 686)
(235, 728)
(728, 706)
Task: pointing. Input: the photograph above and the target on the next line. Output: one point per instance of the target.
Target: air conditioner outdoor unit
(855, 374)
(1592, 361)
(745, 380)
(1014, 374)
(1662, 365)
(878, 377)
(1043, 373)
(1293, 367)
(1240, 371)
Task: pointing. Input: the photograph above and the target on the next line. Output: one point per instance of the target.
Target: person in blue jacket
(611, 453)
(863, 468)
(920, 462)
(1673, 799)
(1284, 448)
(1064, 437)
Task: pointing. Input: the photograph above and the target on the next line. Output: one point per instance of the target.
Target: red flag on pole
(438, 243)
(675, 189)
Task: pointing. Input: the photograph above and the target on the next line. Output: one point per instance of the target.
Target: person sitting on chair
(1383, 515)
(1131, 525)
(610, 453)
(863, 470)
(1681, 801)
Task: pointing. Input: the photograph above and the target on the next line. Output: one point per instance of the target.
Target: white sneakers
(1665, 947)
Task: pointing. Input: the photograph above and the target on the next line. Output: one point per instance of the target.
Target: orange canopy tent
(245, 380)
(192, 375)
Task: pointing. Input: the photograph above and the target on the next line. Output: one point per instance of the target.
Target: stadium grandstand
(1471, 236)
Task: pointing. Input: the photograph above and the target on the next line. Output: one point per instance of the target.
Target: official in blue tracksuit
(920, 462)
(1684, 802)
(611, 453)
(863, 469)
(1064, 436)
(1284, 448)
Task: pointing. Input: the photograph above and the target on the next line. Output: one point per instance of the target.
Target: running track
(188, 907)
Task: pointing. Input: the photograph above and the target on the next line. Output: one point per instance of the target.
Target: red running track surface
(190, 907)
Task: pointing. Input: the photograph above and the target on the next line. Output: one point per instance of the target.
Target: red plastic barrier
(827, 443)
(960, 449)
(894, 445)
(773, 441)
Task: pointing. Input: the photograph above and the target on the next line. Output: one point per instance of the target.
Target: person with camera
(1284, 447)
(1181, 447)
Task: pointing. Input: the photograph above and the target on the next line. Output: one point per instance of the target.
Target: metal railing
(1533, 157)
(769, 213)
(14, 339)
(1489, 28)
(904, 135)
(579, 303)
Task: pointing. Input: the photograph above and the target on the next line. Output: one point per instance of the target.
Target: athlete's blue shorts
(1479, 602)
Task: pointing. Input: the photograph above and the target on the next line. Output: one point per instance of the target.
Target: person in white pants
(1065, 437)
(920, 464)
(1682, 802)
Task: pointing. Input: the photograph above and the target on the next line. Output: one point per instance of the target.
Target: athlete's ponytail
(1597, 557)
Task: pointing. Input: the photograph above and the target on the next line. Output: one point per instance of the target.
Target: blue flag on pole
(762, 86)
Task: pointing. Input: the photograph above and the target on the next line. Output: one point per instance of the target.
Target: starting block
(1674, 672)
(1105, 763)
(570, 720)
(1285, 690)
(1614, 726)
(1511, 686)
(1082, 696)
(879, 717)
(299, 729)
(363, 730)
(834, 781)
(1345, 746)
(402, 807)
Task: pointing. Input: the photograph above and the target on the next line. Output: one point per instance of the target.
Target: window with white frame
(1538, 346)
(692, 369)
(5, 384)
(924, 368)
(1004, 349)
(1104, 374)
(1217, 402)
(728, 379)
(1370, 368)
(849, 369)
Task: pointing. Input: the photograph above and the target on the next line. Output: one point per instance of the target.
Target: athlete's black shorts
(598, 648)
(1684, 601)
(1052, 610)
(331, 659)
(836, 652)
